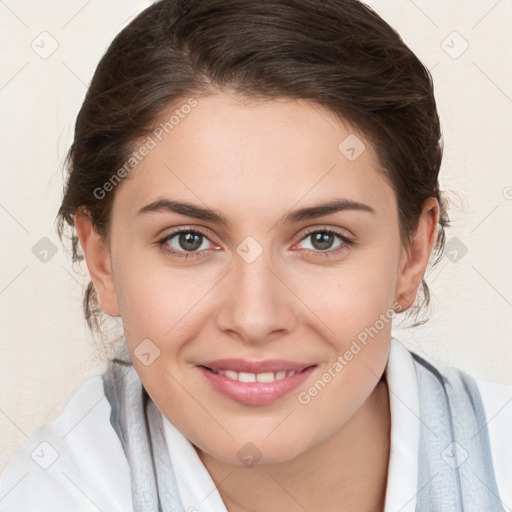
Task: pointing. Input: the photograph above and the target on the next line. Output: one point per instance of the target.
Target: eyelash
(347, 242)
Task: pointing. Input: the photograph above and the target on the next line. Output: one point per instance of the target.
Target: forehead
(250, 157)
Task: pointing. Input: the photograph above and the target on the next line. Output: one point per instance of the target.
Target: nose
(258, 305)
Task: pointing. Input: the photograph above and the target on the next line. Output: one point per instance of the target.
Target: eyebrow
(206, 214)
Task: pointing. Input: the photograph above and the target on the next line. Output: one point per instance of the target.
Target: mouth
(255, 383)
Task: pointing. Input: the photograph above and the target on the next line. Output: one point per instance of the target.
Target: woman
(254, 187)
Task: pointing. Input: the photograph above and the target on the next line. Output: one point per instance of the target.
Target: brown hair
(337, 53)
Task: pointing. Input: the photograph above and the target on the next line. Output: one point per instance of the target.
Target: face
(257, 314)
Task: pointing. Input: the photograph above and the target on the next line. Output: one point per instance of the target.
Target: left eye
(186, 241)
(323, 240)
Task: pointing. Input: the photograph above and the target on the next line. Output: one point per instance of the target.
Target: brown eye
(185, 242)
(325, 239)
(322, 240)
(190, 241)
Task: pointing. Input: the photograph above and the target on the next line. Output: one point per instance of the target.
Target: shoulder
(75, 462)
(497, 402)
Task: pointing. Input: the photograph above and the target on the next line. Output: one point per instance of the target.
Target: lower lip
(255, 393)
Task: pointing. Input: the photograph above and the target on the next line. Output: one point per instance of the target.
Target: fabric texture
(455, 471)
(138, 423)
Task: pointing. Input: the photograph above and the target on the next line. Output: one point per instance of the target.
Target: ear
(415, 255)
(97, 256)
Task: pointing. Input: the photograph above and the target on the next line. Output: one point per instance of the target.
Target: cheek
(154, 297)
(357, 308)
(353, 296)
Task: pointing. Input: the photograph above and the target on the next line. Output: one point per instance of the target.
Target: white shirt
(77, 463)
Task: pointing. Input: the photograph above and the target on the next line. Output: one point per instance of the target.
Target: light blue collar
(455, 471)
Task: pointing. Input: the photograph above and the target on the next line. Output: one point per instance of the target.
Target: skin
(254, 162)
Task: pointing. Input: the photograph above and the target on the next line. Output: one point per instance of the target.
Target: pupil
(190, 241)
(322, 240)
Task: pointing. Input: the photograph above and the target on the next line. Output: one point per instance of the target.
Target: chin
(258, 449)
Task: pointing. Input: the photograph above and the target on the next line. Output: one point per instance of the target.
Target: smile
(268, 381)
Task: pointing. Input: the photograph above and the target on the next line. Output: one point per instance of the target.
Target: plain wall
(46, 352)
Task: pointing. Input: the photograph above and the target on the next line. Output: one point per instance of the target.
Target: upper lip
(243, 365)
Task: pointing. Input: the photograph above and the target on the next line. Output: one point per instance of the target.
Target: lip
(255, 393)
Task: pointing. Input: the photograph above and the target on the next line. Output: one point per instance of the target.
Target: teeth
(246, 377)
(256, 377)
(265, 377)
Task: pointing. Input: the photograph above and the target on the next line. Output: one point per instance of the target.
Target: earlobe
(416, 255)
(98, 258)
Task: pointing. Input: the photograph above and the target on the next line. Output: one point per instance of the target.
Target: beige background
(46, 352)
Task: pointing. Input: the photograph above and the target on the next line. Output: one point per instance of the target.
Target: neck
(347, 471)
